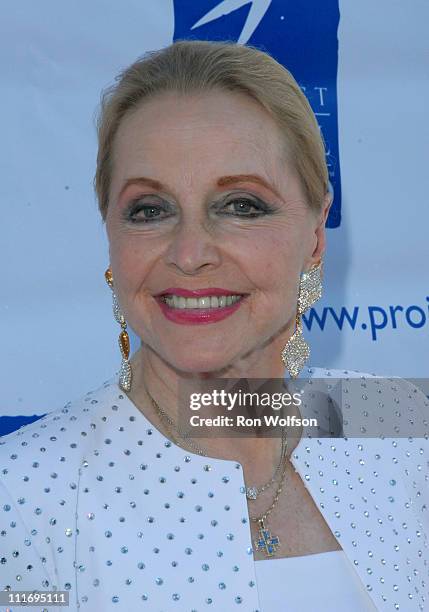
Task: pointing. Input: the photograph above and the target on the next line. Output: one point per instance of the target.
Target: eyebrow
(221, 182)
(246, 178)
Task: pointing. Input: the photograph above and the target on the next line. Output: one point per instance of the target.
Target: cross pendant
(266, 542)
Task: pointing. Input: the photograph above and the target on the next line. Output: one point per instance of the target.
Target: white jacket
(96, 501)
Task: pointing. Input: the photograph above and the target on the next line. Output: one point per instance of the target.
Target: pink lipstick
(194, 316)
(196, 292)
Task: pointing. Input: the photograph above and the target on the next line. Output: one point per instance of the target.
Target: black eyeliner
(260, 206)
(137, 205)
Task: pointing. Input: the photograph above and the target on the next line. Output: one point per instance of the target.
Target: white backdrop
(59, 338)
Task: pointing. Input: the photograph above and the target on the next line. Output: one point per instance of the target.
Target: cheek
(128, 265)
(275, 262)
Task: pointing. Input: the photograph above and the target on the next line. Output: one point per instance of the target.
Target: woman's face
(177, 218)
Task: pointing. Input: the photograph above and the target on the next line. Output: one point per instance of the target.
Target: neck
(154, 379)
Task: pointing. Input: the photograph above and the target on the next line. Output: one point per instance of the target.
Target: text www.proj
(378, 317)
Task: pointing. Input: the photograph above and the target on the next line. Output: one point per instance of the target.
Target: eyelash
(136, 207)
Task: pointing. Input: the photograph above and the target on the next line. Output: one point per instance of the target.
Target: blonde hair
(188, 66)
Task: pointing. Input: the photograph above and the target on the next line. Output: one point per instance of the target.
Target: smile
(196, 310)
(213, 301)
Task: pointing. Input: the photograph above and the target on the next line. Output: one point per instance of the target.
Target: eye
(245, 207)
(148, 212)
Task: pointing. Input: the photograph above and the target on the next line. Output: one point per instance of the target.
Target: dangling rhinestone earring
(125, 373)
(297, 351)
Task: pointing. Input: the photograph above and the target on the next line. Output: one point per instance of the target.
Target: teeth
(178, 301)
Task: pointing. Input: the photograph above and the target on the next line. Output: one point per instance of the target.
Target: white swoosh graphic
(257, 11)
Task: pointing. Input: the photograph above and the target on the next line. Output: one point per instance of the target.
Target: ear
(320, 232)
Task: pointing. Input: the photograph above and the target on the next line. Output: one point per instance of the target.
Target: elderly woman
(212, 181)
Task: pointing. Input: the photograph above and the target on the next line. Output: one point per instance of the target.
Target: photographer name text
(242, 421)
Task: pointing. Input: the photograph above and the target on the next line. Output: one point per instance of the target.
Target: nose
(192, 248)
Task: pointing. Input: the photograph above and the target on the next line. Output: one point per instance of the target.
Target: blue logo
(302, 36)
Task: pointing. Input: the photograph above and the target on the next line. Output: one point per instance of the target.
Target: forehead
(200, 134)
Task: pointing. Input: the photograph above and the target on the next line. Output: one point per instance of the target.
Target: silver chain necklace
(265, 542)
(252, 492)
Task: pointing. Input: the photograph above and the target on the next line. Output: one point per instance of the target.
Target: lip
(196, 316)
(197, 292)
